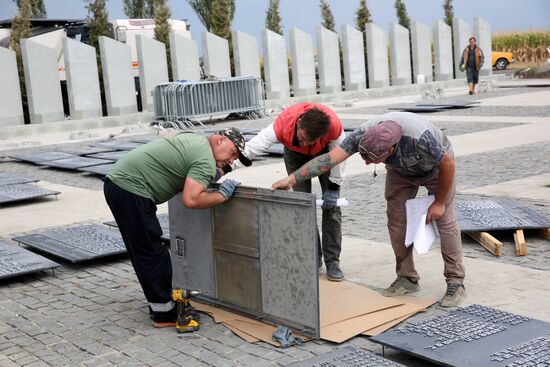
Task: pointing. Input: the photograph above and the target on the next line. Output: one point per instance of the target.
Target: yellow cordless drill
(187, 319)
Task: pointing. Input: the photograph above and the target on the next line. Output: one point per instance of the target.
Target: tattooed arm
(313, 168)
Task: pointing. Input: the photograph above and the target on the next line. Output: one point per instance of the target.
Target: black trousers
(137, 220)
(332, 218)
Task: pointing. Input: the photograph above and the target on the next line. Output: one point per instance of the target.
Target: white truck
(126, 30)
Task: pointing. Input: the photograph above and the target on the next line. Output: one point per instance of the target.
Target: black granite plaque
(101, 170)
(145, 139)
(15, 261)
(423, 109)
(118, 144)
(39, 157)
(451, 105)
(21, 192)
(473, 336)
(76, 243)
(112, 156)
(85, 150)
(348, 356)
(11, 179)
(76, 162)
(497, 214)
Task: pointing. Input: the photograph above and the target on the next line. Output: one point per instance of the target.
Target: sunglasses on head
(370, 155)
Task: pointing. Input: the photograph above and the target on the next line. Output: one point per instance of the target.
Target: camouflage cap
(237, 138)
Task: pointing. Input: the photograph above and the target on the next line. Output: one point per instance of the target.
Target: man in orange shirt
(307, 130)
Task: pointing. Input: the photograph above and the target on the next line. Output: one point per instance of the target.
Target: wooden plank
(519, 239)
(545, 233)
(490, 243)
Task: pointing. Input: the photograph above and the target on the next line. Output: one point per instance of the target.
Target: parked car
(502, 59)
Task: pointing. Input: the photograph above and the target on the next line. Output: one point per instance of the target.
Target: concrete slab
(42, 82)
(421, 51)
(400, 55)
(11, 109)
(303, 68)
(482, 31)
(533, 187)
(539, 98)
(153, 68)
(377, 56)
(216, 55)
(184, 57)
(443, 50)
(82, 80)
(246, 55)
(353, 54)
(330, 78)
(118, 77)
(462, 31)
(277, 81)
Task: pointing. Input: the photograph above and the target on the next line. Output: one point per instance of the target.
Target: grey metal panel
(238, 280)
(21, 192)
(11, 179)
(75, 162)
(474, 336)
(100, 169)
(42, 156)
(348, 356)
(191, 233)
(77, 243)
(289, 261)
(497, 214)
(227, 265)
(15, 261)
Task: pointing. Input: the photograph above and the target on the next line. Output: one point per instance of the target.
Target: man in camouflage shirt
(416, 153)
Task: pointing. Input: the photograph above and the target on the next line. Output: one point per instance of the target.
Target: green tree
(273, 18)
(20, 29)
(203, 9)
(362, 16)
(162, 29)
(326, 15)
(402, 15)
(98, 24)
(38, 9)
(139, 9)
(449, 12)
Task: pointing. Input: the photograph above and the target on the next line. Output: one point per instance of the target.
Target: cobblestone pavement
(95, 314)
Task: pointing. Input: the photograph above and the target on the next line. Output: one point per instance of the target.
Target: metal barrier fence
(181, 104)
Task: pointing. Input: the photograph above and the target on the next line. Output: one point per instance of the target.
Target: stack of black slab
(16, 261)
(474, 336)
(348, 356)
(76, 243)
(436, 106)
(15, 188)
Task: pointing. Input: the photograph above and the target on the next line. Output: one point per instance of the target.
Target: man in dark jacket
(472, 61)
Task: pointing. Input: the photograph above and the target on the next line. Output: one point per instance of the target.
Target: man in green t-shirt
(153, 174)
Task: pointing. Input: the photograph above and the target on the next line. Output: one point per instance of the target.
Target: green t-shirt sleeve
(202, 170)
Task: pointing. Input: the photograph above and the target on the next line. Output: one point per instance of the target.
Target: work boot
(334, 273)
(456, 293)
(400, 286)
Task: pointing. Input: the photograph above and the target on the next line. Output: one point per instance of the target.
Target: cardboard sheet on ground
(340, 301)
(346, 329)
(347, 310)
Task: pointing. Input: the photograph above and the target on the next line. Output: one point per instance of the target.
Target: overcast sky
(304, 14)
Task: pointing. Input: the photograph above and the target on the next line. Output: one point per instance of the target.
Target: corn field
(527, 47)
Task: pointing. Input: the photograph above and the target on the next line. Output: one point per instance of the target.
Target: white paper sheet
(418, 232)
